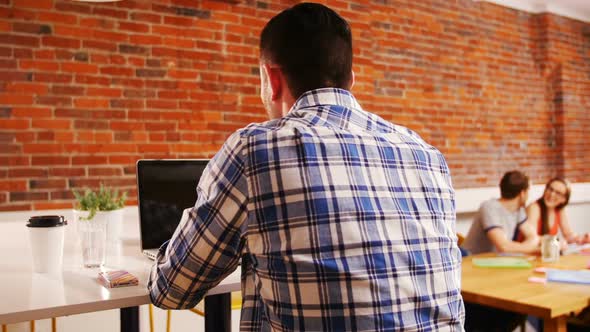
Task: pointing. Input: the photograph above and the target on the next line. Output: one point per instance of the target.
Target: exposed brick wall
(570, 51)
(87, 89)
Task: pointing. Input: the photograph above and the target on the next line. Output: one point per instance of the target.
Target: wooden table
(509, 289)
(30, 296)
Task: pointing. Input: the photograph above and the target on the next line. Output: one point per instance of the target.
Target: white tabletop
(28, 296)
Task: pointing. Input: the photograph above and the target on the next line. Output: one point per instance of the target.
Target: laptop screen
(164, 189)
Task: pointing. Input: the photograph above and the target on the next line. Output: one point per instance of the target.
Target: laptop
(165, 188)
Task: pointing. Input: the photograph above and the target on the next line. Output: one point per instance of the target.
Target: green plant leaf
(105, 199)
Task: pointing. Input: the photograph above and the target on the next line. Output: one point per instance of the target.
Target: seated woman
(547, 214)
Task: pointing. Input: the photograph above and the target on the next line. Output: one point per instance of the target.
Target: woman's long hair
(543, 207)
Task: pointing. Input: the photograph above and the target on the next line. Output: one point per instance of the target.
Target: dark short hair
(312, 45)
(513, 183)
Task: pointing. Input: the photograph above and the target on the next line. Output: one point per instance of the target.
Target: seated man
(494, 229)
(499, 221)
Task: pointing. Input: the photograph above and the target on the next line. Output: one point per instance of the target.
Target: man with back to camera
(499, 222)
(343, 221)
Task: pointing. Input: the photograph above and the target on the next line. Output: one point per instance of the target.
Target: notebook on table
(569, 276)
(502, 262)
(165, 188)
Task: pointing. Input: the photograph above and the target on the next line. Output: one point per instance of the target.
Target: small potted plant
(99, 218)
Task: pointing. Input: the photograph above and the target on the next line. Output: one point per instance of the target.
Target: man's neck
(511, 205)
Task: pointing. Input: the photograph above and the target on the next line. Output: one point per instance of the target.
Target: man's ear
(352, 80)
(275, 78)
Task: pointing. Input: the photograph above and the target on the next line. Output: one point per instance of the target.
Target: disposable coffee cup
(46, 234)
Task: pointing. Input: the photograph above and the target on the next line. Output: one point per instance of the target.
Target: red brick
(61, 42)
(91, 103)
(19, 40)
(57, 18)
(91, 124)
(67, 172)
(23, 53)
(134, 27)
(89, 160)
(17, 160)
(94, 80)
(99, 45)
(53, 205)
(117, 71)
(79, 68)
(31, 28)
(110, 36)
(63, 136)
(15, 207)
(13, 99)
(104, 92)
(126, 103)
(36, 4)
(44, 54)
(11, 185)
(53, 100)
(123, 160)
(110, 12)
(31, 112)
(16, 13)
(137, 62)
(42, 148)
(35, 88)
(27, 172)
(161, 104)
(5, 26)
(47, 184)
(147, 148)
(51, 124)
(10, 148)
(145, 17)
(105, 171)
(40, 65)
(69, 90)
(53, 78)
(50, 160)
(5, 52)
(69, 31)
(28, 196)
(145, 39)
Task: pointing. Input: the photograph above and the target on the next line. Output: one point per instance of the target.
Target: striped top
(343, 221)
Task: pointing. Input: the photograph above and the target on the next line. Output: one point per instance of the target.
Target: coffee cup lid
(46, 221)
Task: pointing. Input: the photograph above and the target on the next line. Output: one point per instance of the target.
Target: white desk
(30, 296)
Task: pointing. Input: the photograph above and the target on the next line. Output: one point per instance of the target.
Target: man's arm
(501, 241)
(529, 246)
(206, 246)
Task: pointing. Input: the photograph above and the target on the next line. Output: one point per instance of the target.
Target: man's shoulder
(490, 204)
(255, 129)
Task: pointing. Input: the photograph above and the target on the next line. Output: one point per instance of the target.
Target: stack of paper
(570, 276)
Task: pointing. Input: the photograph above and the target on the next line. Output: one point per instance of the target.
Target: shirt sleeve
(206, 246)
(489, 217)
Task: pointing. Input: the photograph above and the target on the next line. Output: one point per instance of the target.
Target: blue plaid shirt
(344, 222)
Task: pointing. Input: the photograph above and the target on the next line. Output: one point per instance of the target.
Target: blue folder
(569, 276)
